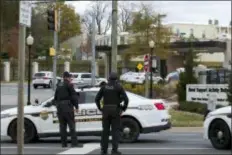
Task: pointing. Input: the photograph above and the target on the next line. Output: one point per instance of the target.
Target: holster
(64, 106)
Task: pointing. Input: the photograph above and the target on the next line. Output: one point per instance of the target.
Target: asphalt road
(159, 143)
(9, 94)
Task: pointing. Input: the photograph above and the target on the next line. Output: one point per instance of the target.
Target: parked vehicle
(139, 77)
(217, 128)
(85, 78)
(43, 78)
(142, 116)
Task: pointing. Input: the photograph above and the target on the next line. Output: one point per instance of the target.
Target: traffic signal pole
(55, 44)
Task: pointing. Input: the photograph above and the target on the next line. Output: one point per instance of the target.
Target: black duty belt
(64, 101)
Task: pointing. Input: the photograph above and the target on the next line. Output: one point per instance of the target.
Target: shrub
(194, 107)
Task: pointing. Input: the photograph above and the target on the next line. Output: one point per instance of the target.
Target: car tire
(223, 142)
(35, 86)
(50, 84)
(31, 134)
(134, 130)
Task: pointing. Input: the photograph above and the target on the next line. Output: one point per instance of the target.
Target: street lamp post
(151, 45)
(30, 41)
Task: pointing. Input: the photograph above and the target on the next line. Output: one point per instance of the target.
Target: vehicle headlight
(5, 116)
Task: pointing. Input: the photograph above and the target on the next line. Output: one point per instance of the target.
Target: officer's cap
(66, 75)
(113, 76)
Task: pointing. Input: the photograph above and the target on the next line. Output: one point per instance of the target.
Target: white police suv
(217, 128)
(142, 116)
(43, 78)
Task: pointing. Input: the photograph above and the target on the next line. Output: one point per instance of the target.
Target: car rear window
(74, 75)
(87, 97)
(39, 74)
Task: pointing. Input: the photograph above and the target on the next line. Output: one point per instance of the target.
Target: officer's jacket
(112, 94)
(66, 92)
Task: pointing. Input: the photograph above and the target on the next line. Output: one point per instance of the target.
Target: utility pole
(25, 10)
(93, 65)
(114, 36)
(21, 63)
(55, 46)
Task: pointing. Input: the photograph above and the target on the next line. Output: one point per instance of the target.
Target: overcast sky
(197, 12)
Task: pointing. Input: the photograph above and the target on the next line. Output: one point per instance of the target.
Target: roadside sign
(25, 8)
(146, 63)
(52, 52)
(140, 66)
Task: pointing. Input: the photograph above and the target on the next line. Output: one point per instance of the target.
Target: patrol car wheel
(29, 131)
(219, 135)
(35, 86)
(50, 84)
(129, 130)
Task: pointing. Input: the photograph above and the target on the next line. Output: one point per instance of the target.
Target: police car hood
(27, 109)
(224, 110)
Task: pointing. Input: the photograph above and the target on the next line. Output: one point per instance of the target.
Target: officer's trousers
(113, 121)
(67, 118)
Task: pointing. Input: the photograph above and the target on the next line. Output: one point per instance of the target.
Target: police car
(217, 128)
(142, 116)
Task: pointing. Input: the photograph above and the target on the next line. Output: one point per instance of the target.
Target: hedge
(195, 107)
(159, 90)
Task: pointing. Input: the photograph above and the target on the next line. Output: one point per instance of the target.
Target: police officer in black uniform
(66, 99)
(113, 94)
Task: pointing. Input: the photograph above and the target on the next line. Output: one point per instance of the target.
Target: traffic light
(52, 19)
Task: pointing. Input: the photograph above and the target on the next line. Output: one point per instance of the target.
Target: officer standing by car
(66, 99)
(113, 94)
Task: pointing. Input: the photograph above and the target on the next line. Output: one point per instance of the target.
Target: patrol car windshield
(39, 74)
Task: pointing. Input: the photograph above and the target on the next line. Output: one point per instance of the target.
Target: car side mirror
(36, 101)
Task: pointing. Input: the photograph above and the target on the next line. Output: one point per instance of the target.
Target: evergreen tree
(187, 77)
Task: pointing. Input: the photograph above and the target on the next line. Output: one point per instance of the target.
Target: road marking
(87, 148)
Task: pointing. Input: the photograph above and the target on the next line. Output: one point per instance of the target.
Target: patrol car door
(50, 125)
(89, 117)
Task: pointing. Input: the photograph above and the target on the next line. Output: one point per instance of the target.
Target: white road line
(87, 148)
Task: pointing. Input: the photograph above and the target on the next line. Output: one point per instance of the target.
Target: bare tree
(99, 9)
(126, 10)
